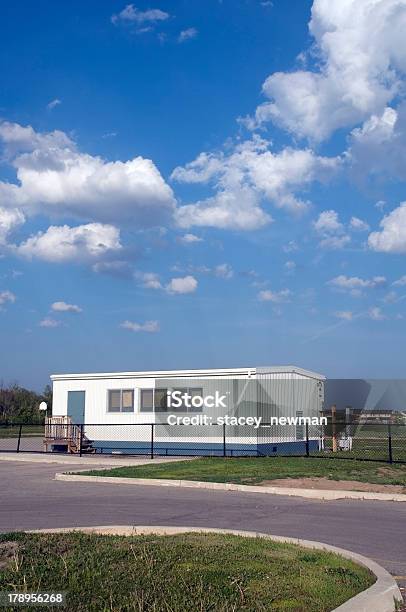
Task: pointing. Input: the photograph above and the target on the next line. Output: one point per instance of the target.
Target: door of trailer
(76, 406)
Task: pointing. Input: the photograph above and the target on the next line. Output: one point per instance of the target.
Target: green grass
(12, 431)
(255, 470)
(182, 573)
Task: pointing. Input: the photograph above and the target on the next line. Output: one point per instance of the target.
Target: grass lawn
(255, 470)
(205, 572)
(12, 431)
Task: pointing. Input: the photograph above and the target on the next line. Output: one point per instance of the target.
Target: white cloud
(290, 266)
(148, 326)
(392, 237)
(187, 34)
(249, 173)
(355, 284)
(130, 14)
(359, 225)
(53, 103)
(376, 314)
(361, 57)
(150, 280)
(235, 210)
(48, 322)
(335, 242)
(224, 271)
(17, 139)
(186, 284)
(64, 307)
(10, 219)
(290, 247)
(401, 282)
(7, 297)
(276, 297)
(378, 148)
(53, 177)
(328, 222)
(380, 205)
(345, 315)
(64, 243)
(331, 230)
(117, 268)
(189, 239)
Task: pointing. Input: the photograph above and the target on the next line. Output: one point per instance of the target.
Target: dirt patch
(8, 551)
(389, 471)
(333, 485)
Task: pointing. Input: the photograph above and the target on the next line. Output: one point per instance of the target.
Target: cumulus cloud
(328, 222)
(401, 282)
(53, 103)
(290, 247)
(355, 284)
(48, 322)
(376, 314)
(186, 284)
(190, 239)
(10, 219)
(149, 280)
(64, 307)
(361, 58)
(224, 271)
(117, 268)
(148, 326)
(392, 237)
(130, 14)
(359, 225)
(63, 243)
(377, 150)
(244, 177)
(7, 296)
(54, 177)
(331, 230)
(228, 209)
(187, 34)
(276, 297)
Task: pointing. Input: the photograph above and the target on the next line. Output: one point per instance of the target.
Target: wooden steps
(61, 435)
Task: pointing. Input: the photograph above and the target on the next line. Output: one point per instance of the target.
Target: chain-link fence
(341, 440)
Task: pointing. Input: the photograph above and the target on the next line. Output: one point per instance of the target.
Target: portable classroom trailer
(127, 412)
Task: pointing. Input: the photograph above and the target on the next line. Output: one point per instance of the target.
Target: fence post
(80, 439)
(19, 438)
(152, 440)
(224, 440)
(390, 443)
(334, 427)
(307, 440)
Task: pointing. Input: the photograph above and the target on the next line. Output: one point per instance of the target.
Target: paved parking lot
(31, 499)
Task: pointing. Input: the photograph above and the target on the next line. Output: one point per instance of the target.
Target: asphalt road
(31, 499)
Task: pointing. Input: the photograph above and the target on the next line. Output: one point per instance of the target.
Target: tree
(20, 405)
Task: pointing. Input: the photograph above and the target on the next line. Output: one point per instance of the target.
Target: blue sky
(202, 184)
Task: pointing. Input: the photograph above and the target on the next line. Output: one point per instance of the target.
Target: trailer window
(147, 400)
(120, 400)
(160, 400)
(156, 400)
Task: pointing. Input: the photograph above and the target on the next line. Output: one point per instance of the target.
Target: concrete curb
(220, 486)
(90, 461)
(380, 597)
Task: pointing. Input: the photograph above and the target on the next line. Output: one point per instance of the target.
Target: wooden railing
(62, 428)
